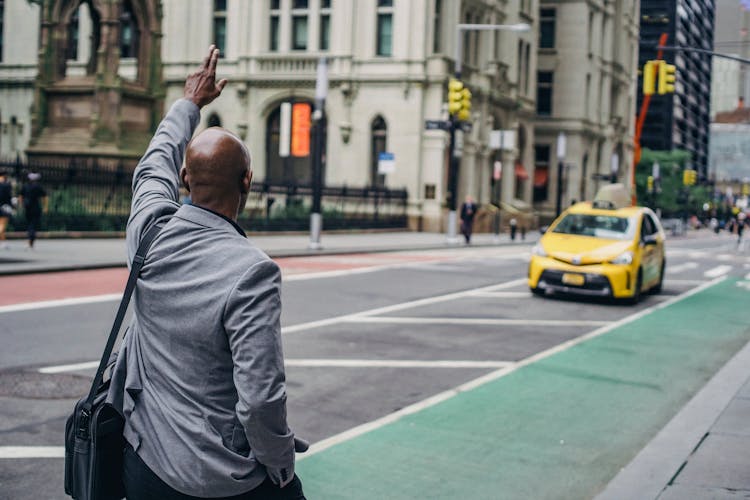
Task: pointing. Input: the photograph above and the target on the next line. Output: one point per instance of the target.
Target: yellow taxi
(597, 249)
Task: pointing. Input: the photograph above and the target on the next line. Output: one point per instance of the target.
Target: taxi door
(650, 251)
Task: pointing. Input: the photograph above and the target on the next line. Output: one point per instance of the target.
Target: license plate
(573, 279)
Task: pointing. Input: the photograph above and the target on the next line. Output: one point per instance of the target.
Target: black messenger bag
(94, 445)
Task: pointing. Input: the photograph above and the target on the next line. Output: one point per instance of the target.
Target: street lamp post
(561, 143)
(454, 161)
(319, 125)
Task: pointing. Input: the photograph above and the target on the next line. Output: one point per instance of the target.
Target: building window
(526, 58)
(129, 33)
(273, 41)
(220, 26)
(379, 136)
(541, 172)
(544, 81)
(546, 28)
(521, 71)
(436, 27)
(325, 24)
(71, 50)
(299, 24)
(384, 46)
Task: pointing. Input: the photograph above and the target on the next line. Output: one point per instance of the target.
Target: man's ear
(247, 179)
(184, 178)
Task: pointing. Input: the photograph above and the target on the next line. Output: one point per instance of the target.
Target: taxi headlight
(623, 258)
(538, 250)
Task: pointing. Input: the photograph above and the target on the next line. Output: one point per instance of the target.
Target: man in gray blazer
(200, 375)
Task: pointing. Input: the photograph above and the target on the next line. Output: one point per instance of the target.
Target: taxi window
(598, 226)
(647, 228)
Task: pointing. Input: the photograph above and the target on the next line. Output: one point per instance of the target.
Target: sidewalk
(76, 254)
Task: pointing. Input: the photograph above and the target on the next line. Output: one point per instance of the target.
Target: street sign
(301, 129)
(497, 170)
(285, 131)
(458, 149)
(437, 125)
(386, 163)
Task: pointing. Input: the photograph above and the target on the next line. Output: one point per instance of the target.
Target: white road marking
(70, 368)
(685, 282)
(335, 320)
(502, 295)
(473, 384)
(747, 276)
(474, 321)
(681, 267)
(32, 452)
(398, 307)
(35, 451)
(717, 271)
(725, 257)
(393, 363)
(28, 306)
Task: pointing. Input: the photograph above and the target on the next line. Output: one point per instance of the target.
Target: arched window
(379, 138)
(214, 120)
(83, 24)
(71, 50)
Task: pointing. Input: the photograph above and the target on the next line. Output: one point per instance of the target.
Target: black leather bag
(94, 446)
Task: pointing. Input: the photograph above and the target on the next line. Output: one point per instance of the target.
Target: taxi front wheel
(657, 288)
(637, 292)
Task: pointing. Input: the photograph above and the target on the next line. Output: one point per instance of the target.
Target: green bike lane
(559, 427)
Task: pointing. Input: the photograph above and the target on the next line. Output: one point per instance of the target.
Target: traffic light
(649, 77)
(689, 177)
(650, 183)
(459, 100)
(455, 96)
(465, 112)
(666, 77)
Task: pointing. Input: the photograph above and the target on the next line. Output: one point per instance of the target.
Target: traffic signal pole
(639, 128)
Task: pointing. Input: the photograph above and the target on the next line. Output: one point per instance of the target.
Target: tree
(672, 197)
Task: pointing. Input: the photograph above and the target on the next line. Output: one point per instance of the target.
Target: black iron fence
(92, 197)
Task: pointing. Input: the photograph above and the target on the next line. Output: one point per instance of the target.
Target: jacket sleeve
(156, 178)
(253, 327)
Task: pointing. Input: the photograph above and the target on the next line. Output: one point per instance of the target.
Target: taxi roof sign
(612, 196)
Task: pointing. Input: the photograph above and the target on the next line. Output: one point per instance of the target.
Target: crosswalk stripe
(717, 271)
(681, 267)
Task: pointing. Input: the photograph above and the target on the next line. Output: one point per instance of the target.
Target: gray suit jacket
(200, 375)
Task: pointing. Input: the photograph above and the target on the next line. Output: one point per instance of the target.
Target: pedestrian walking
(741, 223)
(200, 376)
(33, 197)
(513, 228)
(468, 212)
(6, 207)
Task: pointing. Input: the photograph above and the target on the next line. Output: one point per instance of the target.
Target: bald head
(217, 171)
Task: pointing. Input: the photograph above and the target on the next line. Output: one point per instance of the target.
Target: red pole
(639, 126)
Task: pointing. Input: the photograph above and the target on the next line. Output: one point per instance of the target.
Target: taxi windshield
(598, 226)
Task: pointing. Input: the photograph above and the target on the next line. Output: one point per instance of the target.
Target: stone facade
(591, 53)
(389, 64)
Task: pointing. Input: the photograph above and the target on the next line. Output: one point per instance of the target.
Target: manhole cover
(34, 385)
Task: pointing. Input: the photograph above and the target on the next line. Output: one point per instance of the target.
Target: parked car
(597, 249)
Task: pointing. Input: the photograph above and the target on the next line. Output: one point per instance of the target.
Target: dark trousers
(142, 484)
(33, 220)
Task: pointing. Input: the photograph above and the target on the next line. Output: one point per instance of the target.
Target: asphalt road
(362, 340)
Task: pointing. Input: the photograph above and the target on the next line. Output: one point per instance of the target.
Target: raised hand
(201, 87)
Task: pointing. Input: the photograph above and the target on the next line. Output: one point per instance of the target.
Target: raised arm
(156, 178)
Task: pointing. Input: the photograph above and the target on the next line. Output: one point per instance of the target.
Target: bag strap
(135, 270)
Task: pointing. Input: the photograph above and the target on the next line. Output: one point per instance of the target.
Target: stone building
(587, 70)
(389, 62)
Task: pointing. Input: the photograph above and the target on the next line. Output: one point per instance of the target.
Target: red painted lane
(62, 285)
(71, 284)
